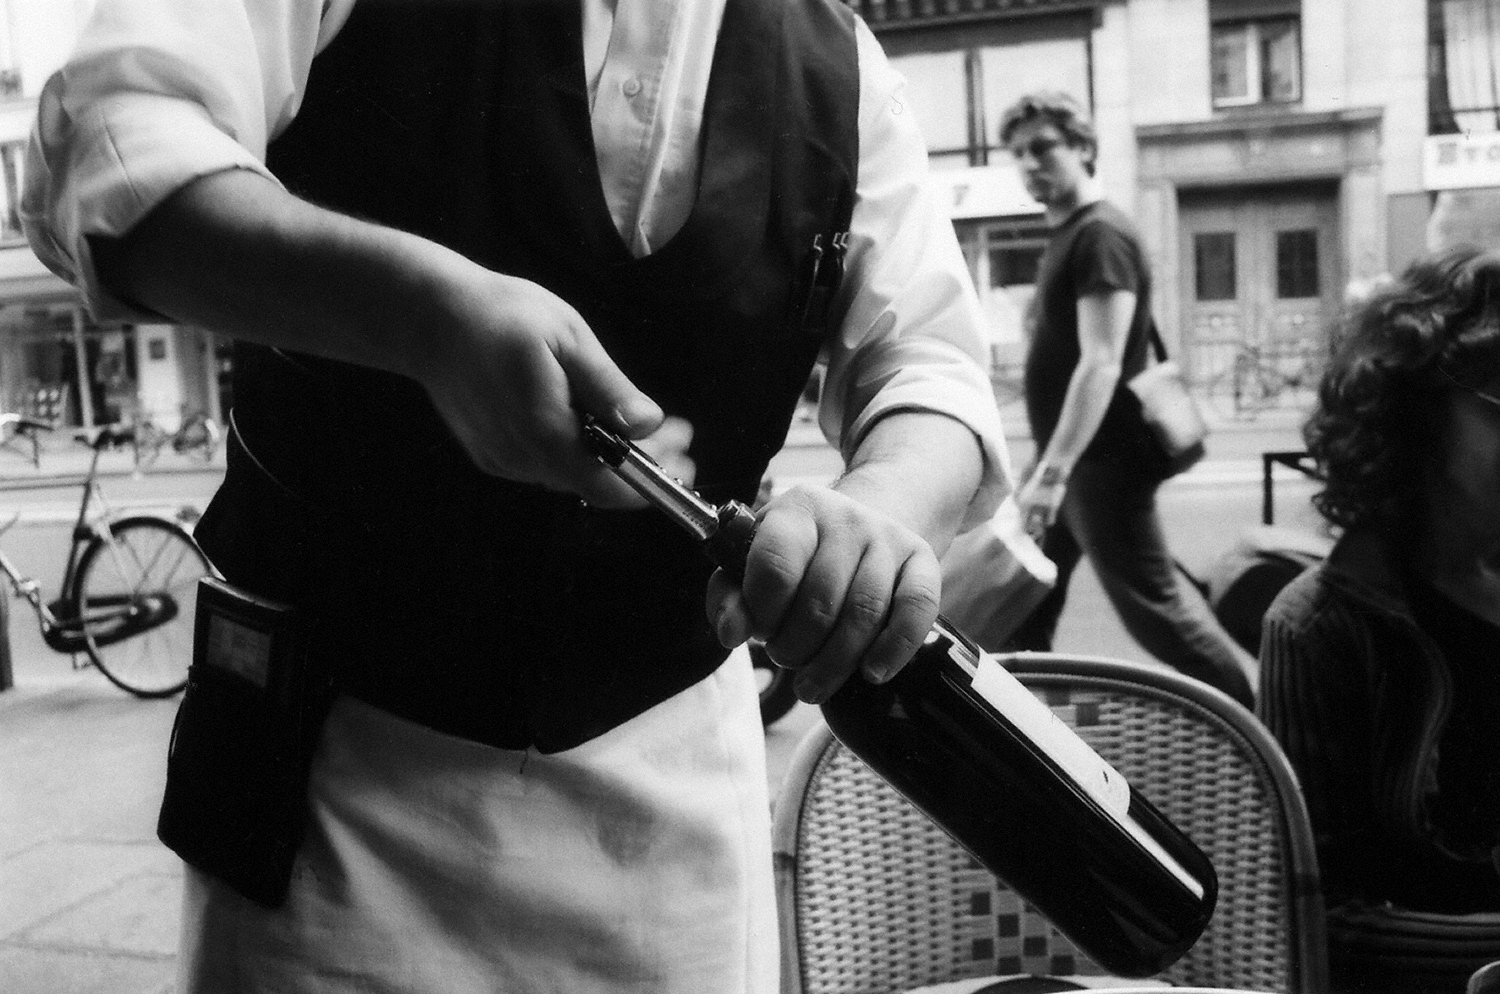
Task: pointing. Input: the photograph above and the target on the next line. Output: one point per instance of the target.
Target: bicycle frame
(61, 634)
(60, 621)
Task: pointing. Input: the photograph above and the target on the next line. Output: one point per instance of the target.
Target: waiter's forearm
(235, 253)
(921, 468)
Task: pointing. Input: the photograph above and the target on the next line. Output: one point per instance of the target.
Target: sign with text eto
(1455, 162)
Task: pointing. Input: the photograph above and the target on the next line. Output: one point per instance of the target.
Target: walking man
(1093, 487)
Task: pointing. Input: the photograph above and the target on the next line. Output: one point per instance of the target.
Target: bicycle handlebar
(23, 423)
(104, 436)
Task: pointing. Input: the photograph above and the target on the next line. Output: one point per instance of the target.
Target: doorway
(1260, 284)
(1002, 254)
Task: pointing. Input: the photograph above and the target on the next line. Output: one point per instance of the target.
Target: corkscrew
(953, 730)
(725, 530)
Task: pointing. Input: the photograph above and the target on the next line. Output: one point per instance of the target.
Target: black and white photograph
(749, 496)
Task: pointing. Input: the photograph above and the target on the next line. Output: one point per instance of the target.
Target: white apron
(639, 861)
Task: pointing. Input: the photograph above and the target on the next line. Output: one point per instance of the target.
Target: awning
(983, 191)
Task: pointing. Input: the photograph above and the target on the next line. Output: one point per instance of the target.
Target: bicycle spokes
(142, 574)
(137, 593)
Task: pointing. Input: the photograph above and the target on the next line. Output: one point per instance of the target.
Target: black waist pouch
(236, 796)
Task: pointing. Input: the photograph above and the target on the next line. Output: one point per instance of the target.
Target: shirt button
(631, 87)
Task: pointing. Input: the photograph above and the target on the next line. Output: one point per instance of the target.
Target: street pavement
(89, 898)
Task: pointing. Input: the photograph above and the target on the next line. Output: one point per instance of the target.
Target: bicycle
(19, 434)
(1263, 376)
(198, 435)
(129, 591)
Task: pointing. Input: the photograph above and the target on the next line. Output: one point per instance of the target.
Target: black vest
(488, 609)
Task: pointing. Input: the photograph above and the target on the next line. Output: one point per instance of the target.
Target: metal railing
(1242, 380)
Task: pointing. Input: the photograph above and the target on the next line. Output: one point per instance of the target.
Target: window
(1009, 72)
(1466, 34)
(1214, 272)
(935, 83)
(959, 95)
(1297, 264)
(12, 157)
(1003, 257)
(1258, 61)
(1014, 265)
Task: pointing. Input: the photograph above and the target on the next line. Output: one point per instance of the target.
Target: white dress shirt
(159, 93)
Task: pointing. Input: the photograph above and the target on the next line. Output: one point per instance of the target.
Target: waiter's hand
(829, 583)
(507, 363)
(516, 366)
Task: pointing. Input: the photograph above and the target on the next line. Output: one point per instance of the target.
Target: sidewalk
(65, 460)
(88, 897)
(1234, 446)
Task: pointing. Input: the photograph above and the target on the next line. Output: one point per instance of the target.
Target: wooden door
(1259, 285)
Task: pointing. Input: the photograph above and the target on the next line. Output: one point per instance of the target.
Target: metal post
(1267, 511)
(85, 395)
(208, 369)
(7, 674)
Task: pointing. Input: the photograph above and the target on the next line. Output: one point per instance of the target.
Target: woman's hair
(1059, 110)
(1382, 401)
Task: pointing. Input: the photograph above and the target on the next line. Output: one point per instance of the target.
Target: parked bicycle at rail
(197, 436)
(128, 592)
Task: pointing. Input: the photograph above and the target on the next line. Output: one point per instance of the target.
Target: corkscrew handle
(725, 530)
(730, 545)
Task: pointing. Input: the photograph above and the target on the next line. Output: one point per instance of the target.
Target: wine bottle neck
(963, 652)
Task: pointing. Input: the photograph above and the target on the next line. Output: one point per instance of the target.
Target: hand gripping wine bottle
(960, 737)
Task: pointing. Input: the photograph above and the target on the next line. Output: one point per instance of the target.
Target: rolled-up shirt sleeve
(156, 94)
(912, 337)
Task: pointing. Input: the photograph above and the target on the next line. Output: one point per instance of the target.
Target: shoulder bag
(1172, 419)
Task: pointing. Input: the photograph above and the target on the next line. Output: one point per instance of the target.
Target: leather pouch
(1172, 419)
(235, 804)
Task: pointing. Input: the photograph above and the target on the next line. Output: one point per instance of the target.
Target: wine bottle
(958, 736)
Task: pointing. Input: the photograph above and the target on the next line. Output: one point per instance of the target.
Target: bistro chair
(873, 897)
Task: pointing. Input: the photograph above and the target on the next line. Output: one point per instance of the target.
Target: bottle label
(1035, 720)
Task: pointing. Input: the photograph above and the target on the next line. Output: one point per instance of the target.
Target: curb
(43, 479)
(66, 514)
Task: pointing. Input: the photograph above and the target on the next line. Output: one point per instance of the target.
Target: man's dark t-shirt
(1094, 251)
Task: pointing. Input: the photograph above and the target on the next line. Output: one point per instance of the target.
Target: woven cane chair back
(875, 898)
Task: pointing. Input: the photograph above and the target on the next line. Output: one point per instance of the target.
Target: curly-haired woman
(1381, 666)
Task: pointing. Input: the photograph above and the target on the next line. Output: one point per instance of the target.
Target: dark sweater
(1381, 721)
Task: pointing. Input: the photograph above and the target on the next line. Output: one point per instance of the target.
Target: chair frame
(1305, 927)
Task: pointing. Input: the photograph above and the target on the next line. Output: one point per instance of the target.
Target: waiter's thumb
(600, 388)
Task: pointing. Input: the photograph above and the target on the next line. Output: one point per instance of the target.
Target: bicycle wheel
(136, 594)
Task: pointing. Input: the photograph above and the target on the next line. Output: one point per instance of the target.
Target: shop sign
(983, 191)
(1455, 162)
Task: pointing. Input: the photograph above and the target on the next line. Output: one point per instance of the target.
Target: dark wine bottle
(959, 736)
(962, 739)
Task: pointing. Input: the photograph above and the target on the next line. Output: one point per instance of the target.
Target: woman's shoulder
(1356, 579)
(1310, 600)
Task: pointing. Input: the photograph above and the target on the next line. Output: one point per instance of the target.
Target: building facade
(1277, 155)
(56, 362)
(1271, 152)
(1461, 161)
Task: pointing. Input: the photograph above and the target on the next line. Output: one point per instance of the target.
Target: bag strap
(1158, 347)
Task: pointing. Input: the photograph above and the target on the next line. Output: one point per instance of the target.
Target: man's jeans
(1109, 514)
